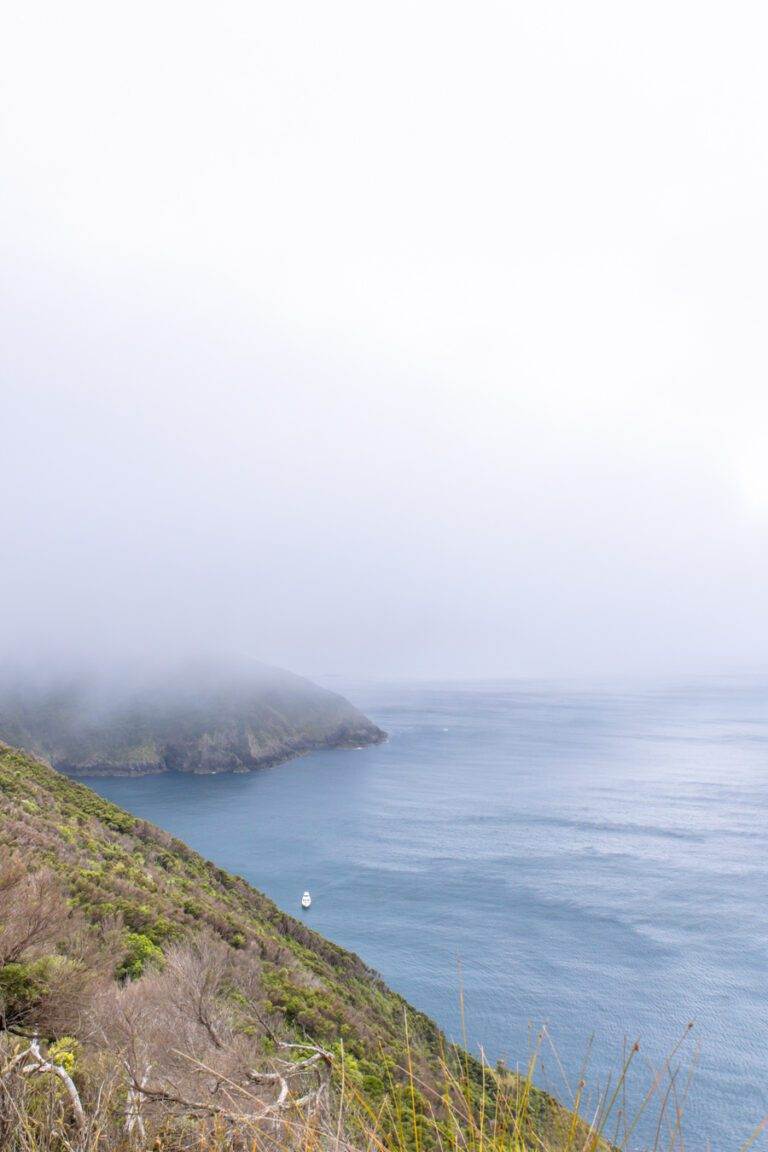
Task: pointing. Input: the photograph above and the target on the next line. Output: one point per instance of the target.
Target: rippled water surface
(595, 859)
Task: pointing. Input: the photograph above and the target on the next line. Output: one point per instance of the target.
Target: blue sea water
(590, 859)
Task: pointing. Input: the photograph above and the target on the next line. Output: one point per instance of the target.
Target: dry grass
(501, 1114)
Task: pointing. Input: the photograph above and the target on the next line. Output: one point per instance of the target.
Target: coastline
(103, 771)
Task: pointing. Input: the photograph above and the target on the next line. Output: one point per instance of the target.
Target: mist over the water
(370, 353)
(418, 348)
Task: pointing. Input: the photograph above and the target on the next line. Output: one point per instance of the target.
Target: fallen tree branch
(39, 1065)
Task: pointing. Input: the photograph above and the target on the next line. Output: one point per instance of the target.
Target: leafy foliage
(141, 953)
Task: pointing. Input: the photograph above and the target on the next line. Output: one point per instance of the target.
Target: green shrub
(142, 953)
(21, 986)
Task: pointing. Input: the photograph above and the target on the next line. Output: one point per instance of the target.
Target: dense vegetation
(220, 715)
(148, 995)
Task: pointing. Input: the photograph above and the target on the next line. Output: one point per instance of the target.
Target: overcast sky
(412, 338)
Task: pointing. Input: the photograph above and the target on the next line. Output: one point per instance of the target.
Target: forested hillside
(147, 995)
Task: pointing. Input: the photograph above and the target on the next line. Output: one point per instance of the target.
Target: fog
(423, 340)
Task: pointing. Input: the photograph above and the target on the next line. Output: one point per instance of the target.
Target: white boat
(306, 900)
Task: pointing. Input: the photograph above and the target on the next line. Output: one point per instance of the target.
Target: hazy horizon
(420, 342)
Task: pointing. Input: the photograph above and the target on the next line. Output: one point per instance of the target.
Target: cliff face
(229, 716)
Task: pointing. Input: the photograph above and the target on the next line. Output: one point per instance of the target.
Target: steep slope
(152, 963)
(214, 716)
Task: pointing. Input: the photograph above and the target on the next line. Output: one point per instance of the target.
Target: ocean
(588, 859)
